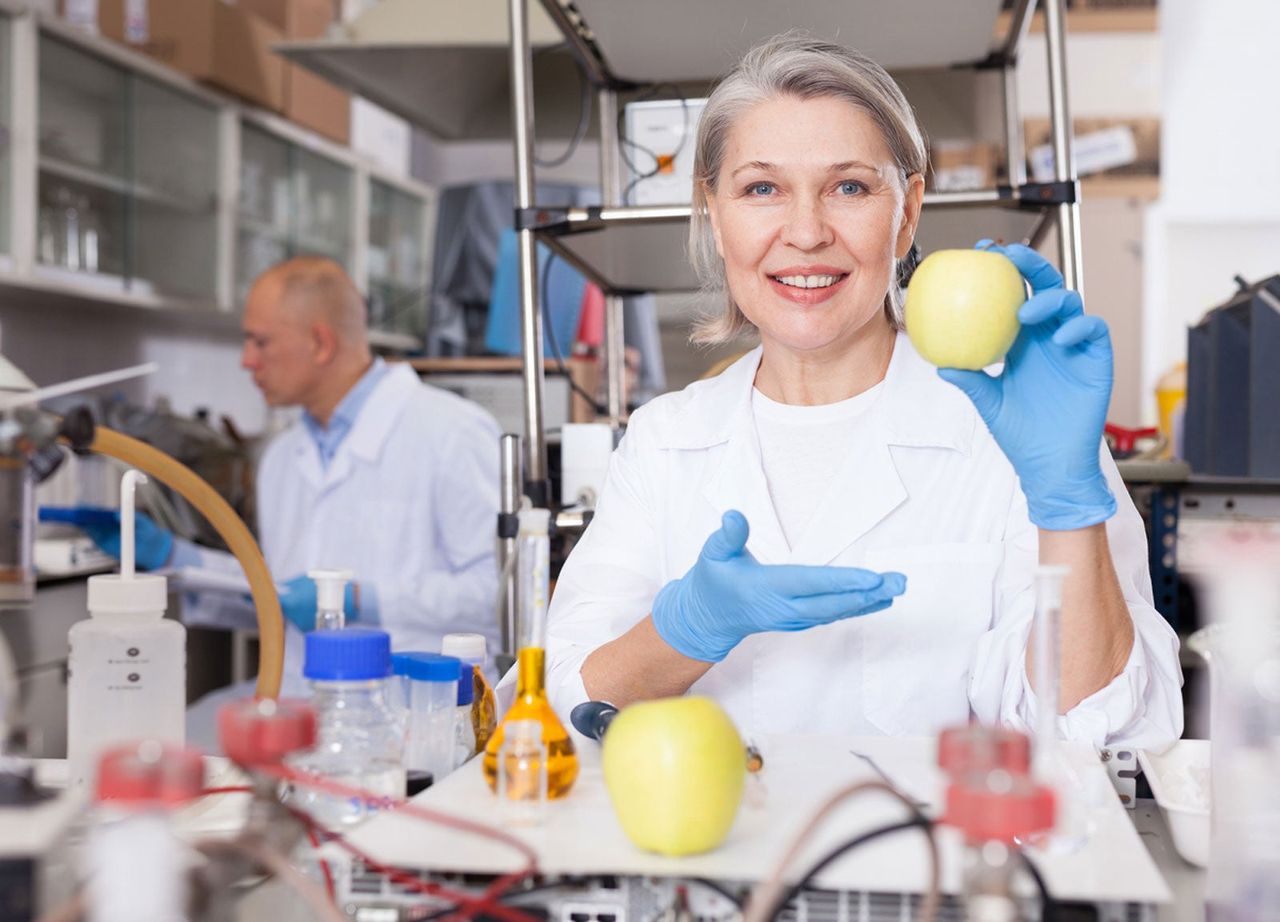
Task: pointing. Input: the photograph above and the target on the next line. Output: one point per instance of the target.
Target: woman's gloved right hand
(728, 594)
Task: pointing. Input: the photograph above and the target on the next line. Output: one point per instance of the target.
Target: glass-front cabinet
(293, 202)
(128, 177)
(396, 261)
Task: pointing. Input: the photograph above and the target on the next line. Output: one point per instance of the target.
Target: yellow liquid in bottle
(531, 704)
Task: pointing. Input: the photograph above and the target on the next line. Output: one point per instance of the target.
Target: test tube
(1046, 635)
(522, 773)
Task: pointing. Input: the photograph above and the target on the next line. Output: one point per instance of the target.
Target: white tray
(1179, 779)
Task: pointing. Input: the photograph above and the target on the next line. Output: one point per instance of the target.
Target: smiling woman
(830, 536)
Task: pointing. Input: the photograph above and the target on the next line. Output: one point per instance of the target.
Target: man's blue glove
(1047, 410)
(728, 595)
(152, 544)
(298, 602)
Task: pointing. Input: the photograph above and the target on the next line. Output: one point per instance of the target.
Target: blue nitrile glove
(298, 602)
(728, 595)
(1048, 408)
(152, 544)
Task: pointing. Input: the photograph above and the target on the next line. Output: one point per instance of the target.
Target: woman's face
(809, 213)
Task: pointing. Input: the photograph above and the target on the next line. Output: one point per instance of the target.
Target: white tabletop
(582, 836)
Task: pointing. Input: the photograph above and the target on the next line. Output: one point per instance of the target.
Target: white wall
(1219, 213)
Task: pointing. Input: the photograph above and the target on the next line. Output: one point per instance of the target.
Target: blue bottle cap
(400, 663)
(428, 667)
(351, 655)
(466, 684)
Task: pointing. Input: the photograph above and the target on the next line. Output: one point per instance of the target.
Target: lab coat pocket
(916, 655)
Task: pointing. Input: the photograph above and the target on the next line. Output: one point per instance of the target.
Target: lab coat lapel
(911, 412)
(740, 484)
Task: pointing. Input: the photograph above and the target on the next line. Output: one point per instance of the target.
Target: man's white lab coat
(929, 494)
(409, 502)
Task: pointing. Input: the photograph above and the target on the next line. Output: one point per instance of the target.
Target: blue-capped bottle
(358, 736)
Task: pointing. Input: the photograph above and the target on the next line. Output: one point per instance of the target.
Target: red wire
(487, 902)
(237, 789)
(329, 888)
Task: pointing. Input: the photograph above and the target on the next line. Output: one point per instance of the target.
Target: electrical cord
(639, 175)
(826, 860)
(1048, 905)
(584, 115)
(549, 327)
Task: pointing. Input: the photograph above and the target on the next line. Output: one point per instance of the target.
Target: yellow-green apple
(962, 307)
(674, 768)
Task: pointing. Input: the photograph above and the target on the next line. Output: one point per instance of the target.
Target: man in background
(382, 475)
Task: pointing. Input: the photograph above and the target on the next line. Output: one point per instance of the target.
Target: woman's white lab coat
(930, 495)
(409, 502)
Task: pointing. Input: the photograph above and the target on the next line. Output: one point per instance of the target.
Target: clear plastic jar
(358, 738)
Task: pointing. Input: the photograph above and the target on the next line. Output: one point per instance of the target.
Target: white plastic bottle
(128, 663)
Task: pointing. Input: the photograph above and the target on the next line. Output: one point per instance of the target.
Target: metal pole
(509, 505)
(1014, 143)
(537, 484)
(611, 194)
(1064, 164)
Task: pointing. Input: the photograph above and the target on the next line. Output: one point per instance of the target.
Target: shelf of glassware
(292, 201)
(397, 261)
(127, 179)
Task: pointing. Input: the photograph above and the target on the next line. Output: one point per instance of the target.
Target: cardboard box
(957, 166)
(1145, 132)
(311, 101)
(206, 39)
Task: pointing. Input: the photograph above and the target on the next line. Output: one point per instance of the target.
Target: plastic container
(358, 738)
(433, 707)
(464, 734)
(471, 649)
(522, 773)
(1179, 779)
(127, 669)
(132, 837)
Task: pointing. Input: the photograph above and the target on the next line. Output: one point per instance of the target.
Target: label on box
(1094, 152)
(83, 14)
(137, 22)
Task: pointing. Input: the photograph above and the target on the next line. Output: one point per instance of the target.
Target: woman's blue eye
(849, 187)
(760, 188)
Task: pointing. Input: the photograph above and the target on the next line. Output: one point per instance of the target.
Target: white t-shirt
(802, 448)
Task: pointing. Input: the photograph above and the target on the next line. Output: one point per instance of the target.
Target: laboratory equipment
(585, 449)
(1050, 765)
(531, 703)
(464, 731)
(1242, 646)
(331, 588)
(128, 663)
(432, 683)
(132, 836)
(522, 773)
(358, 736)
(659, 149)
(994, 810)
(471, 650)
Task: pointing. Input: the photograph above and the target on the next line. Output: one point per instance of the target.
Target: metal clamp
(1040, 194)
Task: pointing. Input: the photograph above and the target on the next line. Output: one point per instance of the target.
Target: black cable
(623, 141)
(555, 346)
(1048, 905)
(584, 117)
(718, 888)
(917, 822)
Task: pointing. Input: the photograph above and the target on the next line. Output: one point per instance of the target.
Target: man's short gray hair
(796, 65)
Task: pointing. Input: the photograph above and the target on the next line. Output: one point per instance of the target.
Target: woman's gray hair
(793, 64)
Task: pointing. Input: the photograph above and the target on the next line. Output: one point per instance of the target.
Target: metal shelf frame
(1057, 202)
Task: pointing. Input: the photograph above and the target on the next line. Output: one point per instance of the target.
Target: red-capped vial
(978, 748)
(263, 731)
(149, 774)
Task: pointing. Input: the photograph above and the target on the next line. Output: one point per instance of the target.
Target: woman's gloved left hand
(1048, 408)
